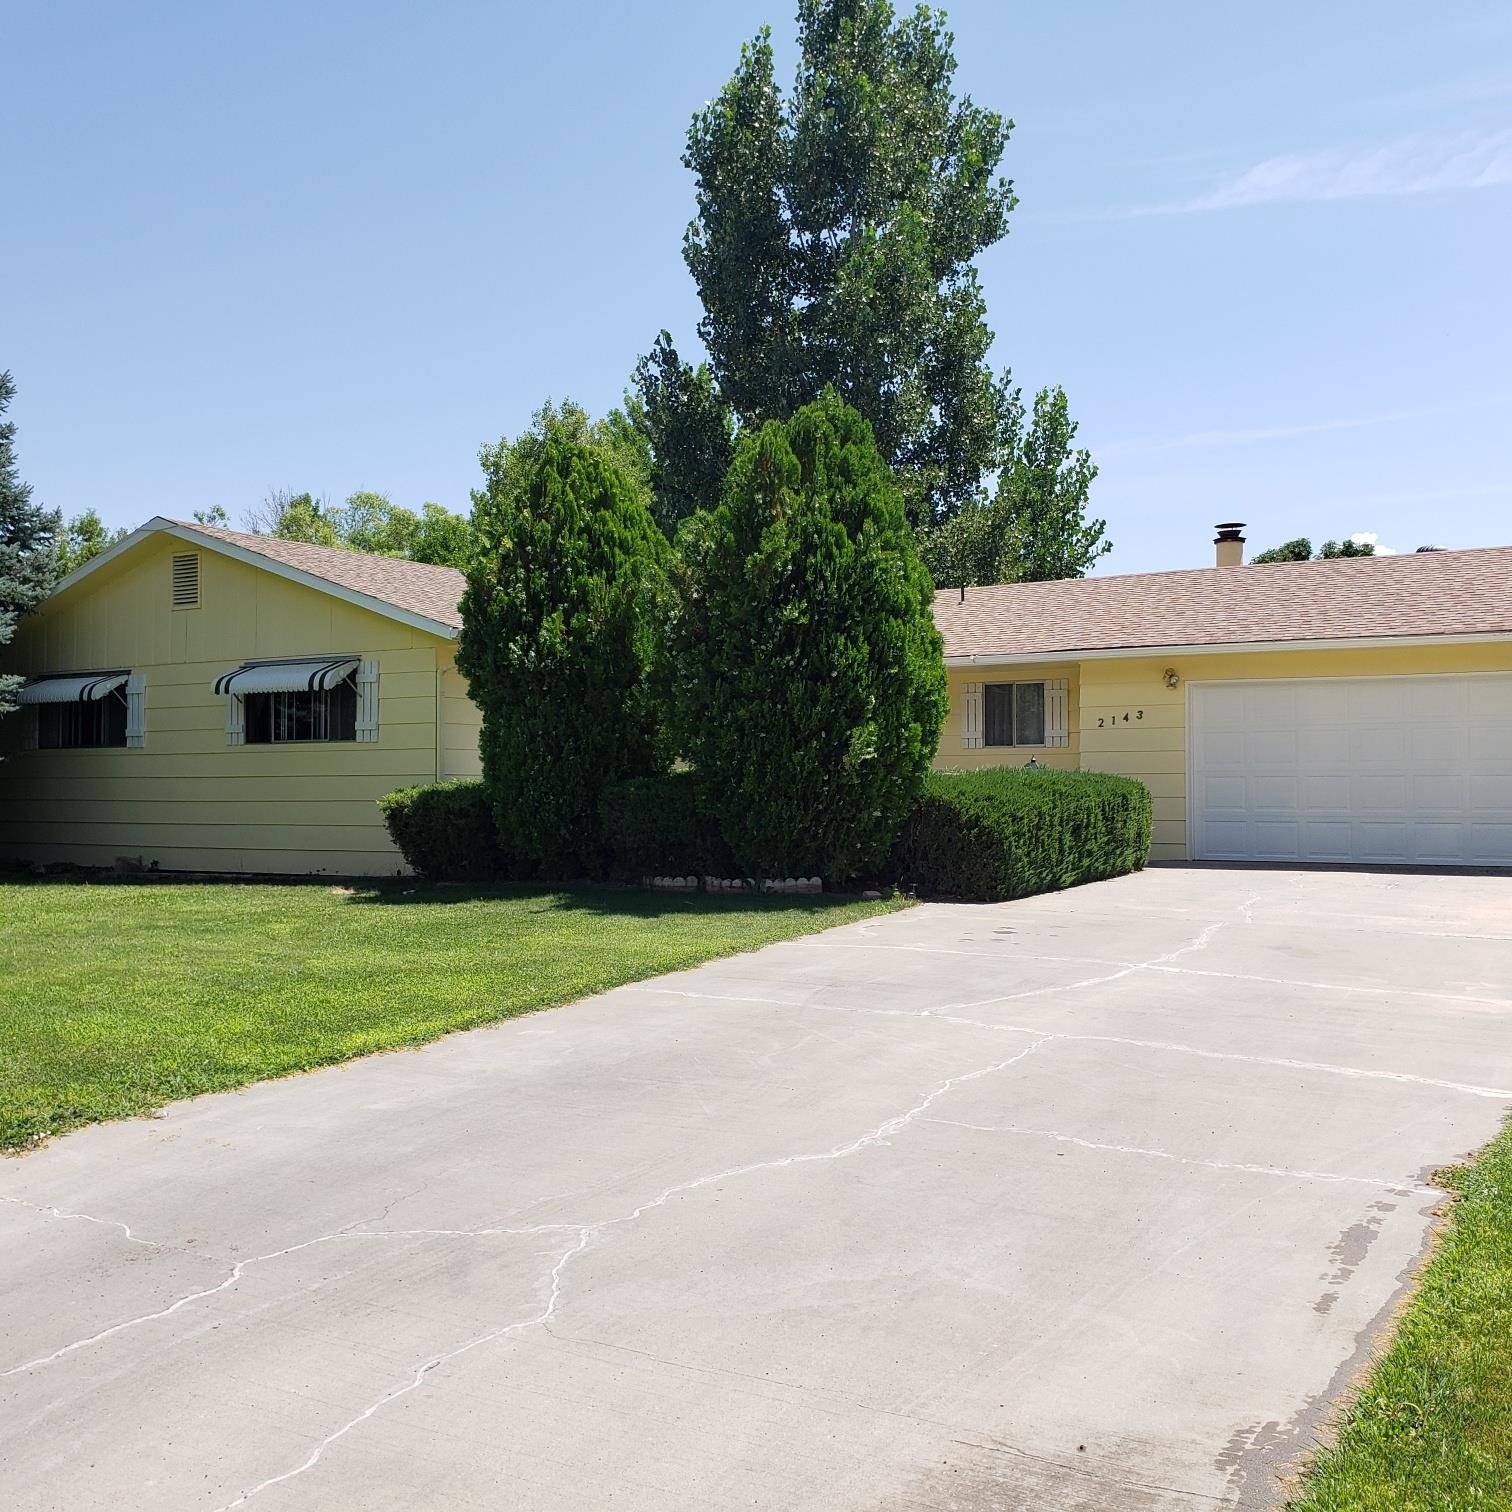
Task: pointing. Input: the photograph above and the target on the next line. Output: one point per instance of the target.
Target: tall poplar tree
(834, 246)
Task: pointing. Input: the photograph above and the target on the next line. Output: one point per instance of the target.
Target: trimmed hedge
(1008, 832)
(654, 826)
(446, 832)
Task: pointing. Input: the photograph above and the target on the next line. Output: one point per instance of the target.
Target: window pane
(343, 711)
(257, 718)
(86, 724)
(279, 718)
(1029, 713)
(998, 714)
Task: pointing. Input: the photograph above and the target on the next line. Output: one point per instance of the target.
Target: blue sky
(339, 246)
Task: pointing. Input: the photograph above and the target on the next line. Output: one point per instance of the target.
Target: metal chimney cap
(1228, 530)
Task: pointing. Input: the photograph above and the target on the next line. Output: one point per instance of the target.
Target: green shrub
(445, 830)
(559, 625)
(1007, 832)
(656, 826)
(805, 681)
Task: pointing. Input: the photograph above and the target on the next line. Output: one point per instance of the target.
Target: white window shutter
(136, 710)
(971, 716)
(1057, 713)
(236, 725)
(367, 700)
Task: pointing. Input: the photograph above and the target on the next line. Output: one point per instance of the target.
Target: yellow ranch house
(202, 699)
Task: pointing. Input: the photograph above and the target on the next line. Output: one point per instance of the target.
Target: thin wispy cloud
(1425, 163)
(1216, 439)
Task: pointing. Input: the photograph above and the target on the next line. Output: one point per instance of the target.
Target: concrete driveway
(1091, 1201)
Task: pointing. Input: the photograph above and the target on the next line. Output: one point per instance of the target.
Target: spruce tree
(558, 634)
(28, 542)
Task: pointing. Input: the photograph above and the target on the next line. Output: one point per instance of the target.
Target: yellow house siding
(953, 756)
(1155, 749)
(187, 800)
(1134, 725)
(461, 722)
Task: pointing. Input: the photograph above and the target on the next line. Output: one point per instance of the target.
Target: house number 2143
(1127, 717)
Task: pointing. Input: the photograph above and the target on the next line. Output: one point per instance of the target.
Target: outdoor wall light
(1170, 678)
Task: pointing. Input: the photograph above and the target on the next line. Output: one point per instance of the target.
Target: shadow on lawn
(587, 897)
(593, 898)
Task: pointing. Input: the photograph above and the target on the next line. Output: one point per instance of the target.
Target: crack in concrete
(588, 1234)
(417, 1378)
(946, 1015)
(56, 1212)
(1406, 1188)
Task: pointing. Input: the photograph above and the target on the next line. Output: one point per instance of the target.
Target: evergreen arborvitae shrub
(806, 681)
(657, 826)
(558, 633)
(1007, 832)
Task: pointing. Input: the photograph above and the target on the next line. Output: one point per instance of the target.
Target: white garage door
(1389, 769)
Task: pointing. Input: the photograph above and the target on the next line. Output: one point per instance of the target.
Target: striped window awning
(306, 674)
(73, 689)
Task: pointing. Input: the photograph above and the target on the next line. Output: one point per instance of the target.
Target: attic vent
(186, 580)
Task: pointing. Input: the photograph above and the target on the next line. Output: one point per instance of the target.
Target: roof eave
(158, 525)
(1220, 648)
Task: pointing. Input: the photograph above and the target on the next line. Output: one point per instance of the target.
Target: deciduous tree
(1300, 550)
(834, 245)
(1035, 526)
(84, 538)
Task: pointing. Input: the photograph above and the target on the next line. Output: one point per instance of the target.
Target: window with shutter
(1024, 714)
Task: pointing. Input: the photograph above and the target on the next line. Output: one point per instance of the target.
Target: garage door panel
(1328, 839)
(1272, 748)
(1377, 792)
(1271, 793)
(1487, 796)
(1490, 844)
(1375, 701)
(1278, 839)
(1376, 841)
(1436, 844)
(1489, 743)
(1221, 794)
(1323, 746)
(1381, 745)
(1415, 769)
(1325, 792)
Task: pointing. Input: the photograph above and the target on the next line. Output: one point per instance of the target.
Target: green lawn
(1433, 1427)
(119, 997)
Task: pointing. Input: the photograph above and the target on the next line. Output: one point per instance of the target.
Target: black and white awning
(78, 688)
(307, 674)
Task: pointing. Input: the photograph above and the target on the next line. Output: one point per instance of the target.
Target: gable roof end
(414, 593)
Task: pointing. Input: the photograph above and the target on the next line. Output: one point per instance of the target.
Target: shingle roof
(416, 587)
(1422, 594)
